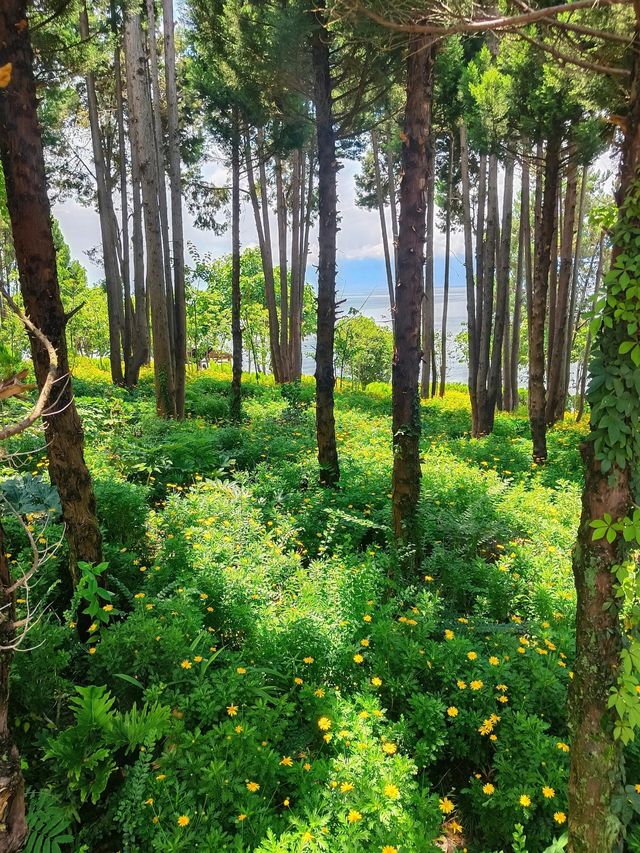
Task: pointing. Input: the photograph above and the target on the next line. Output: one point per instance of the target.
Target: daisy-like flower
(547, 792)
(346, 787)
(446, 806)
(389, 748)
(286, 761)
(472, 655)
(253, 787)
(186, 664)
(525, 800)
(324, 724)
(354, 816)
(308, 659)
(391, 791)
(358, 658)
(452, 711)
(448, 634)
(232, 710)
(183, 820)
(559, 817)
(488, 789)
(476, 685)
(376, 681)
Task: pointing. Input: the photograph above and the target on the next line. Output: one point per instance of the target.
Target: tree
(28, 205)
(408, 294)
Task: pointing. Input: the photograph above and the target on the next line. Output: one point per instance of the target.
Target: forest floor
(261, 677)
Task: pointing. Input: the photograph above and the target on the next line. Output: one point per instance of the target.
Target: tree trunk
(141, 120)
(175, 178)
(572, 319)
(472, 329)
(428, 342)
(553, 283)
(155, 105)
(447, 259)
(24, 173)
(502, 286)
(383, 223)
(416, 150)
(587, 349)
(107, 220)
(327, 234)
(480, 236)
(539, 301)
(295, 312)
(485, 406)
(281, 215)
(523, 272)
(555, 397)
(393, 209)
(236, 331)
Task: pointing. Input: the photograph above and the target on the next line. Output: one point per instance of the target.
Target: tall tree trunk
(587, 350)
(281, 215)
(523, 273)
(236, 331)
(327, 234)
(295, 313)
(560, 322)
(447, 259)
(107, 220)
(130, 373)
(261, 217)
(480, 236)
(383, 222)
(472, 329)
(416, 150)
(141, 342)
(485, 407)
(428, 341)
(393, 202)
(24, 173)
(539, 301)
(502, 286)
(572, 319)
(155, 105)
(177, 232)
(141, 120)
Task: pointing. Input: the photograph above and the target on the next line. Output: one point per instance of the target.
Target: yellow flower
(92, 650)
(637, 788)
(559, 817)
(240, 670)
(306, 766)
(521, 650)
(488, 789)
(389, 748)
(563, 747)
(367, 617)
(446, 806)
(308, 660)
(287, 761)
(238, 730)
(319, 693)
(93, 627)
(358, 658)
(186, 664)
(161, 776)
(391, 791)
(502, 687)
(462, 685)
(306, 836)
(298, 680)
(477, 685)
(108, 608)
(140, 595)
(198, 659)
(376, 681)
(183, 820)
(327, 737)
(354, 816)
(448, 634)
(494, 661)
(389, 848)
(346, 787)
(253, 787)
(547, 792)
(472, 655)
(232, 710)
(452, 711)
(364, 643)
(324, 723)
(242, 817)
(525, 800)
(428, 578)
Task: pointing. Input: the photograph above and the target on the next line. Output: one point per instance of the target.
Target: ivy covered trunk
(612, 460)
(408, 296)
(24, 171)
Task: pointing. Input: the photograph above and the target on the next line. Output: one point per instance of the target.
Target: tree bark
(416, 150)
(327, 234)
(447, 259)
(523, 272)
(281, 215)
(587, 350)
(537, 395)
(295, 312)
(107, 219)
(177, 231)
(393, 208)
(141, 120)
(428, 336)
(236, 330)
(383, 223)
(28, 204)
(560, 322)
(472, 328)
